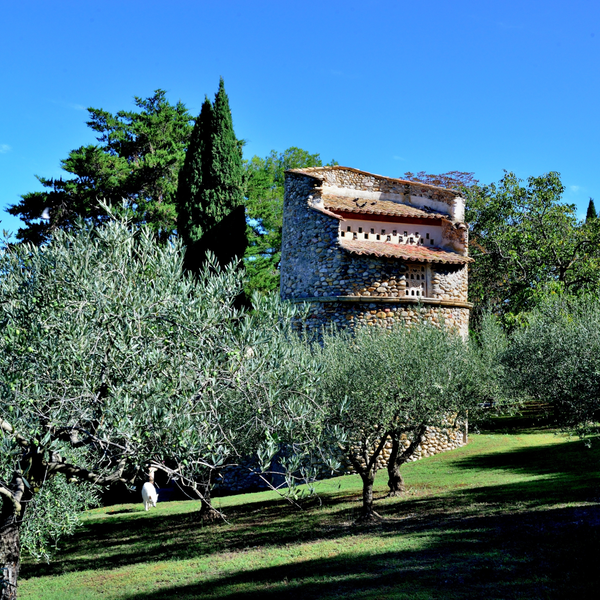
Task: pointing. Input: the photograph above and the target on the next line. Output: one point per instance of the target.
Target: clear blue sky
(384, 86)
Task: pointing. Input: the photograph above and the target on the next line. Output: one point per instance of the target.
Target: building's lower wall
(355, 314)
(243, 478)
(435, 441)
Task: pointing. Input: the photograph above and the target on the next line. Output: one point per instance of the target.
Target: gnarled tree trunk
(398, 457)
(366, 467)
(10, 553)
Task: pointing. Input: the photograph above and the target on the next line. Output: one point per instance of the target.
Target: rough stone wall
(309, 246)
(352, 314)
(414, 192)
(451, 283)
(313, 265)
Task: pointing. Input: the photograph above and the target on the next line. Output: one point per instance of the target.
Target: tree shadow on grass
(535, 555)
(494, 541)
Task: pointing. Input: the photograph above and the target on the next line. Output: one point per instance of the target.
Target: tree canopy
(524, 238)
(112, 359)
(265, 178)
(135, 165)
(211, 187)
(380, 385)
(554, 360)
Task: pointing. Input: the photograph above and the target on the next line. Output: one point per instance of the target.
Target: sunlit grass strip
(506, 515)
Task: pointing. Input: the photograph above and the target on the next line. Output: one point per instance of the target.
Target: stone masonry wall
(314, 265)
(373, 289)
(416, 193)
(350, 315)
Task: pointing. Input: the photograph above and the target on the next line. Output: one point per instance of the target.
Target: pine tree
(210, 194)
(591, 212)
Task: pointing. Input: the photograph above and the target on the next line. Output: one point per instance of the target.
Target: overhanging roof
(362, 206)
(406, 252)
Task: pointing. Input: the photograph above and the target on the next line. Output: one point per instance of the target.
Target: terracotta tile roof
(363, 206)
(403, 251)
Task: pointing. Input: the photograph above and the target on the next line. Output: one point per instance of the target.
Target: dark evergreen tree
(591, 212)
(211, 187)
(190, 222)
(134, 165)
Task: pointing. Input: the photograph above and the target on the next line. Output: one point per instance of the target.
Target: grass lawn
(508, 516)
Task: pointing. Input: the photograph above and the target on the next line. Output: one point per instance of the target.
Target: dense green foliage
(556, 359)
(211, 186)
(264, 209)
(135, 165)
(113, 360)
(524, 239)
(380, 384)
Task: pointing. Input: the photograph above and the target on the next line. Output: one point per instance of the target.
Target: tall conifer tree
(210, 194)
(190, 224)
(591, 212)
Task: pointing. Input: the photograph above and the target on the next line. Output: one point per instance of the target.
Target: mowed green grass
(508, 516)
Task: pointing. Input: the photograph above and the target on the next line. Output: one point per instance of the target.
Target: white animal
(149, 495)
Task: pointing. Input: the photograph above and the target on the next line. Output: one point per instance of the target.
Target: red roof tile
(403, 251)
(363, 206)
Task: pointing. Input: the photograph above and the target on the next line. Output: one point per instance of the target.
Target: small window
(388, 238)
(431, 242)
(405, 233)
(372, 231)
(417, 234)
(366, 235)
(343, 233)
(411, 240)
(427, 236)
(395, 232)
(354, 237)
(378, 237)
(412, 275)
(349, 228)
(383, 232)
(360, 230)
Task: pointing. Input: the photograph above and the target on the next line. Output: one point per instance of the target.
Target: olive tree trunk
(398, 456)
(365, 464)
(10, 554)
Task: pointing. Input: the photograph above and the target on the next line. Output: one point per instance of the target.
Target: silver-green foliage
(556, 359)
(378, 379)
(111, 359)
(53, 513)
(383, 384)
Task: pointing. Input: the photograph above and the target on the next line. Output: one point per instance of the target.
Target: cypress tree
(210, 194)
(591, 212)
(190, 222)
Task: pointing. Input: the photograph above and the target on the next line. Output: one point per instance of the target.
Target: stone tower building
(367, 249)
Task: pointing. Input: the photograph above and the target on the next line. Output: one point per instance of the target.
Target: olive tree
(113, 360)
(555, 359)
(381, 385)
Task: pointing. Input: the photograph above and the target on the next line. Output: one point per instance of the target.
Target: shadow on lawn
(544, 554)
(487, 541)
